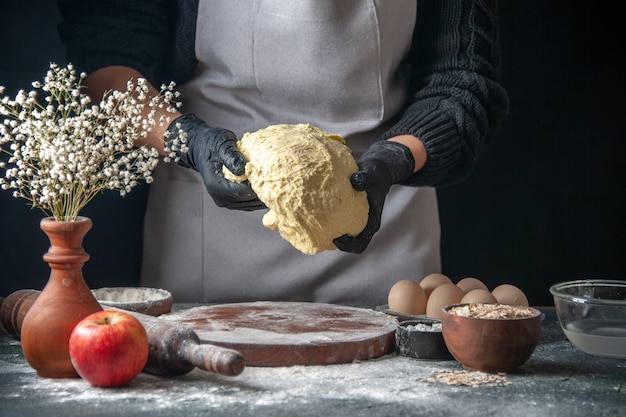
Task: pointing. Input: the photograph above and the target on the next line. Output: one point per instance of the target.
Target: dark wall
(28, 43)
(545, 203)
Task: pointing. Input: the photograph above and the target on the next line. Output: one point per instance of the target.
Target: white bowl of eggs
(410, 299)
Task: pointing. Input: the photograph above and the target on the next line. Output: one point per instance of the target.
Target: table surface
(557, 380)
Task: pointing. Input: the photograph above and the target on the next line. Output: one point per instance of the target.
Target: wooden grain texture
(291, 333)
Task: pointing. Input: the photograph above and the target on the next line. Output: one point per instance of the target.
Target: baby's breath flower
(63, 151)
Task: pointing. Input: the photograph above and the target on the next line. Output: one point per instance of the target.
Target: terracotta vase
(64, 301)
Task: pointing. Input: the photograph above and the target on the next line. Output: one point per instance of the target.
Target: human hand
(384, 164)
(209, 149)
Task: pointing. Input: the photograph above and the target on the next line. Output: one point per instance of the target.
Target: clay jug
(64, 301)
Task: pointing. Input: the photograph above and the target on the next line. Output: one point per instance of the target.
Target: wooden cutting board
(290, 333)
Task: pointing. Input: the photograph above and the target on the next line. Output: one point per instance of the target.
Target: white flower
(63, 151)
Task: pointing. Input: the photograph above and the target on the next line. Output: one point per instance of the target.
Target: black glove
(208, 149)
(383, 164)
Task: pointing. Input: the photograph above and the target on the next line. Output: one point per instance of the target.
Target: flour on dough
(302, 174)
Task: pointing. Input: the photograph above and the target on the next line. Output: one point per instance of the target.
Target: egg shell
(432, 281)
(478, 295)
(443, 295)
(510, 295)
(406, 296)
(470, 283)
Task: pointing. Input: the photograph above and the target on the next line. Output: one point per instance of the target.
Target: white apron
(333, 64)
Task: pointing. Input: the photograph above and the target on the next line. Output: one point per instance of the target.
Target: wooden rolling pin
(13, 309)
(174, 349)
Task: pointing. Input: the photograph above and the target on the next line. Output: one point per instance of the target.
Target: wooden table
(558, 380)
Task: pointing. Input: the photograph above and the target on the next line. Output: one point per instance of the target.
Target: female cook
(411, 85)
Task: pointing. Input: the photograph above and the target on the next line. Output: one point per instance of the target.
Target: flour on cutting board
(287, 323)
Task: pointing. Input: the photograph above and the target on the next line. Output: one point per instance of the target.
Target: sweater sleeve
(154, 37)
(457, 103)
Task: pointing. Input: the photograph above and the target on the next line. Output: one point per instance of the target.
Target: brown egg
(407, 297)
(443, 295)
(510, 295)
(468, 284)
(432, 281)
(479, 295)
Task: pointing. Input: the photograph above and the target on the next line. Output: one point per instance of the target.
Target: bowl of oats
(490, 337)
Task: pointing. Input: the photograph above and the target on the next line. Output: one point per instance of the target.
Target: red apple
(109, 348)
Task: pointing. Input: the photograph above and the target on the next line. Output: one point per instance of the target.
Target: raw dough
(302, 174)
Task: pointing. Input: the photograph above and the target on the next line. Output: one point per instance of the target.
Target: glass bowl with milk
(592, 313)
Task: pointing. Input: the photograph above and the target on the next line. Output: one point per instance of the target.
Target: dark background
(545, 204)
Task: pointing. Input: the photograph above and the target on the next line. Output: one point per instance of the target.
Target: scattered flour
(378, 380)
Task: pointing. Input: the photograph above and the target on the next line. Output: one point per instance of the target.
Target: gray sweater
(456, 100)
